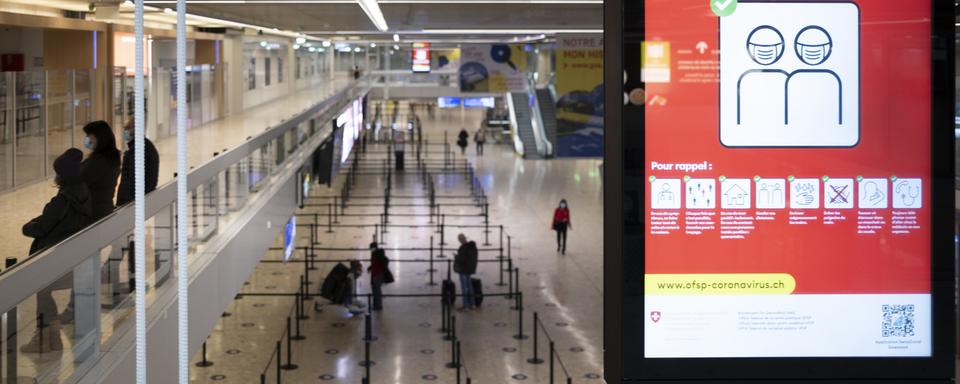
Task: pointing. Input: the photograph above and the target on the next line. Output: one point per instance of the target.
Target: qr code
(898, 320)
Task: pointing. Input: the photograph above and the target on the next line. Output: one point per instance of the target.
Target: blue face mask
(563, 205)
(87, 143)
(127, 136)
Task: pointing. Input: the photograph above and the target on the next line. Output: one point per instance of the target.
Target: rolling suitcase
(477, 291)
(448, 292)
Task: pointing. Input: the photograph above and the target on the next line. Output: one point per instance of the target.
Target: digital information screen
(421, 57)
(345, 122)
(789, 167)
(350, 122)
(779, 193)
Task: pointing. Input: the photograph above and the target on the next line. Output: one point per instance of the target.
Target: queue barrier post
(536, 341)
(520, 335)
(203, 363)
(290, 365)
(453, 344)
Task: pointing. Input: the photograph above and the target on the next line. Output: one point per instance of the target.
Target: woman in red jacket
(561, 223)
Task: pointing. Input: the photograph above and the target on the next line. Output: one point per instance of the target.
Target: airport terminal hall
(434, 191)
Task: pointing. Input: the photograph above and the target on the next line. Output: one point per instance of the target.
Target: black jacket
(465, 261)
(462, 138)
(151, 168)
(100, 175)
(67, 213)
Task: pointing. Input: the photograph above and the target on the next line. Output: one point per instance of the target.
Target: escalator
(523, 114)
(548, 113)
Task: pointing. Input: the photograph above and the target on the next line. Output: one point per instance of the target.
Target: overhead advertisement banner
(448, 59)
(788, 205)
(579, 96)
(493, 68)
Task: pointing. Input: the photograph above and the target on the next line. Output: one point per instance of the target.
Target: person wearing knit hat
(66, 214)
(67, 166)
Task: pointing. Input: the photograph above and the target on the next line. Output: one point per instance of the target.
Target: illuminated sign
(787, 205)
(448, 102)
(289, 238)
(421, 57)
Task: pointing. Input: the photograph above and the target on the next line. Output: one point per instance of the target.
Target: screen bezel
(624, 226)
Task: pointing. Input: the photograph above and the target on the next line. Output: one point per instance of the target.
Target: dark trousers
(376, 285)
(46, 306)
(398, 157)
(480, 148)
(562, 238)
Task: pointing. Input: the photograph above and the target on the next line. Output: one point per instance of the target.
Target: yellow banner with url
(719, 284)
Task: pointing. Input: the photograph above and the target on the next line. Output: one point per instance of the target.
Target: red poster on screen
(788, 156)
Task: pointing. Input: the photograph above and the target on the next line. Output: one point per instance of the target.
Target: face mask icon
(765, 45)
(813, 45)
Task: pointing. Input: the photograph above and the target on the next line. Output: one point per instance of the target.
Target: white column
(331, 61)
(138, 216)
(183, 348)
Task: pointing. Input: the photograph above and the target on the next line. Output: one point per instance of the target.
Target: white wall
(262, 92)
(234, 81)
(313, 68)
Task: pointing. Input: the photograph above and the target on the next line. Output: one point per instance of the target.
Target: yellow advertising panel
(579, 96)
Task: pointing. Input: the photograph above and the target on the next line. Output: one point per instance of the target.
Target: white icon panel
(701, 194)
(665, 194)
(872, 193)
(805, 194)
(907, 194)
(838, 194)
(790, 75)
(771, 194)
(735, 194)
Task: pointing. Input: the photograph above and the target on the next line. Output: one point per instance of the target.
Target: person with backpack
(561, 223)
(462, 141)
(66, 214)
(151, 167)
(465, 265)
(380, 274)
(480, 138)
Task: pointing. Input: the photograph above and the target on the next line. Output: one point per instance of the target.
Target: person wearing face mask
(101, 168)
(151, 167)
(561, 223)
(66, 214)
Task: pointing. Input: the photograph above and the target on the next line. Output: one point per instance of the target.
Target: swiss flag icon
(655, 316)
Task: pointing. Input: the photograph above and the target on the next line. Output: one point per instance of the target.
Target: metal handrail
(41, 269)
(544, 147)
(514, 128)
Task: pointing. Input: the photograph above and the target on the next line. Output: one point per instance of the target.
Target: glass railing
(41, 115)
(65, 307)
(404, 78)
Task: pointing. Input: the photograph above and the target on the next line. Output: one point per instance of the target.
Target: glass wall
(202, 92)
(41, 115)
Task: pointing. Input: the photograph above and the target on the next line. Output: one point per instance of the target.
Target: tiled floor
(23, 204)
(565, 290)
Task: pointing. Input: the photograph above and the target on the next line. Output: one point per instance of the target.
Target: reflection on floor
(565, 290)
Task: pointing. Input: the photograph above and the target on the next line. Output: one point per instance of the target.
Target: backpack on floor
(448, 292)
(477, 291)
(334, 282)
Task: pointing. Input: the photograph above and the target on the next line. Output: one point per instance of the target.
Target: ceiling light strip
(468, 32)
(372, 9)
